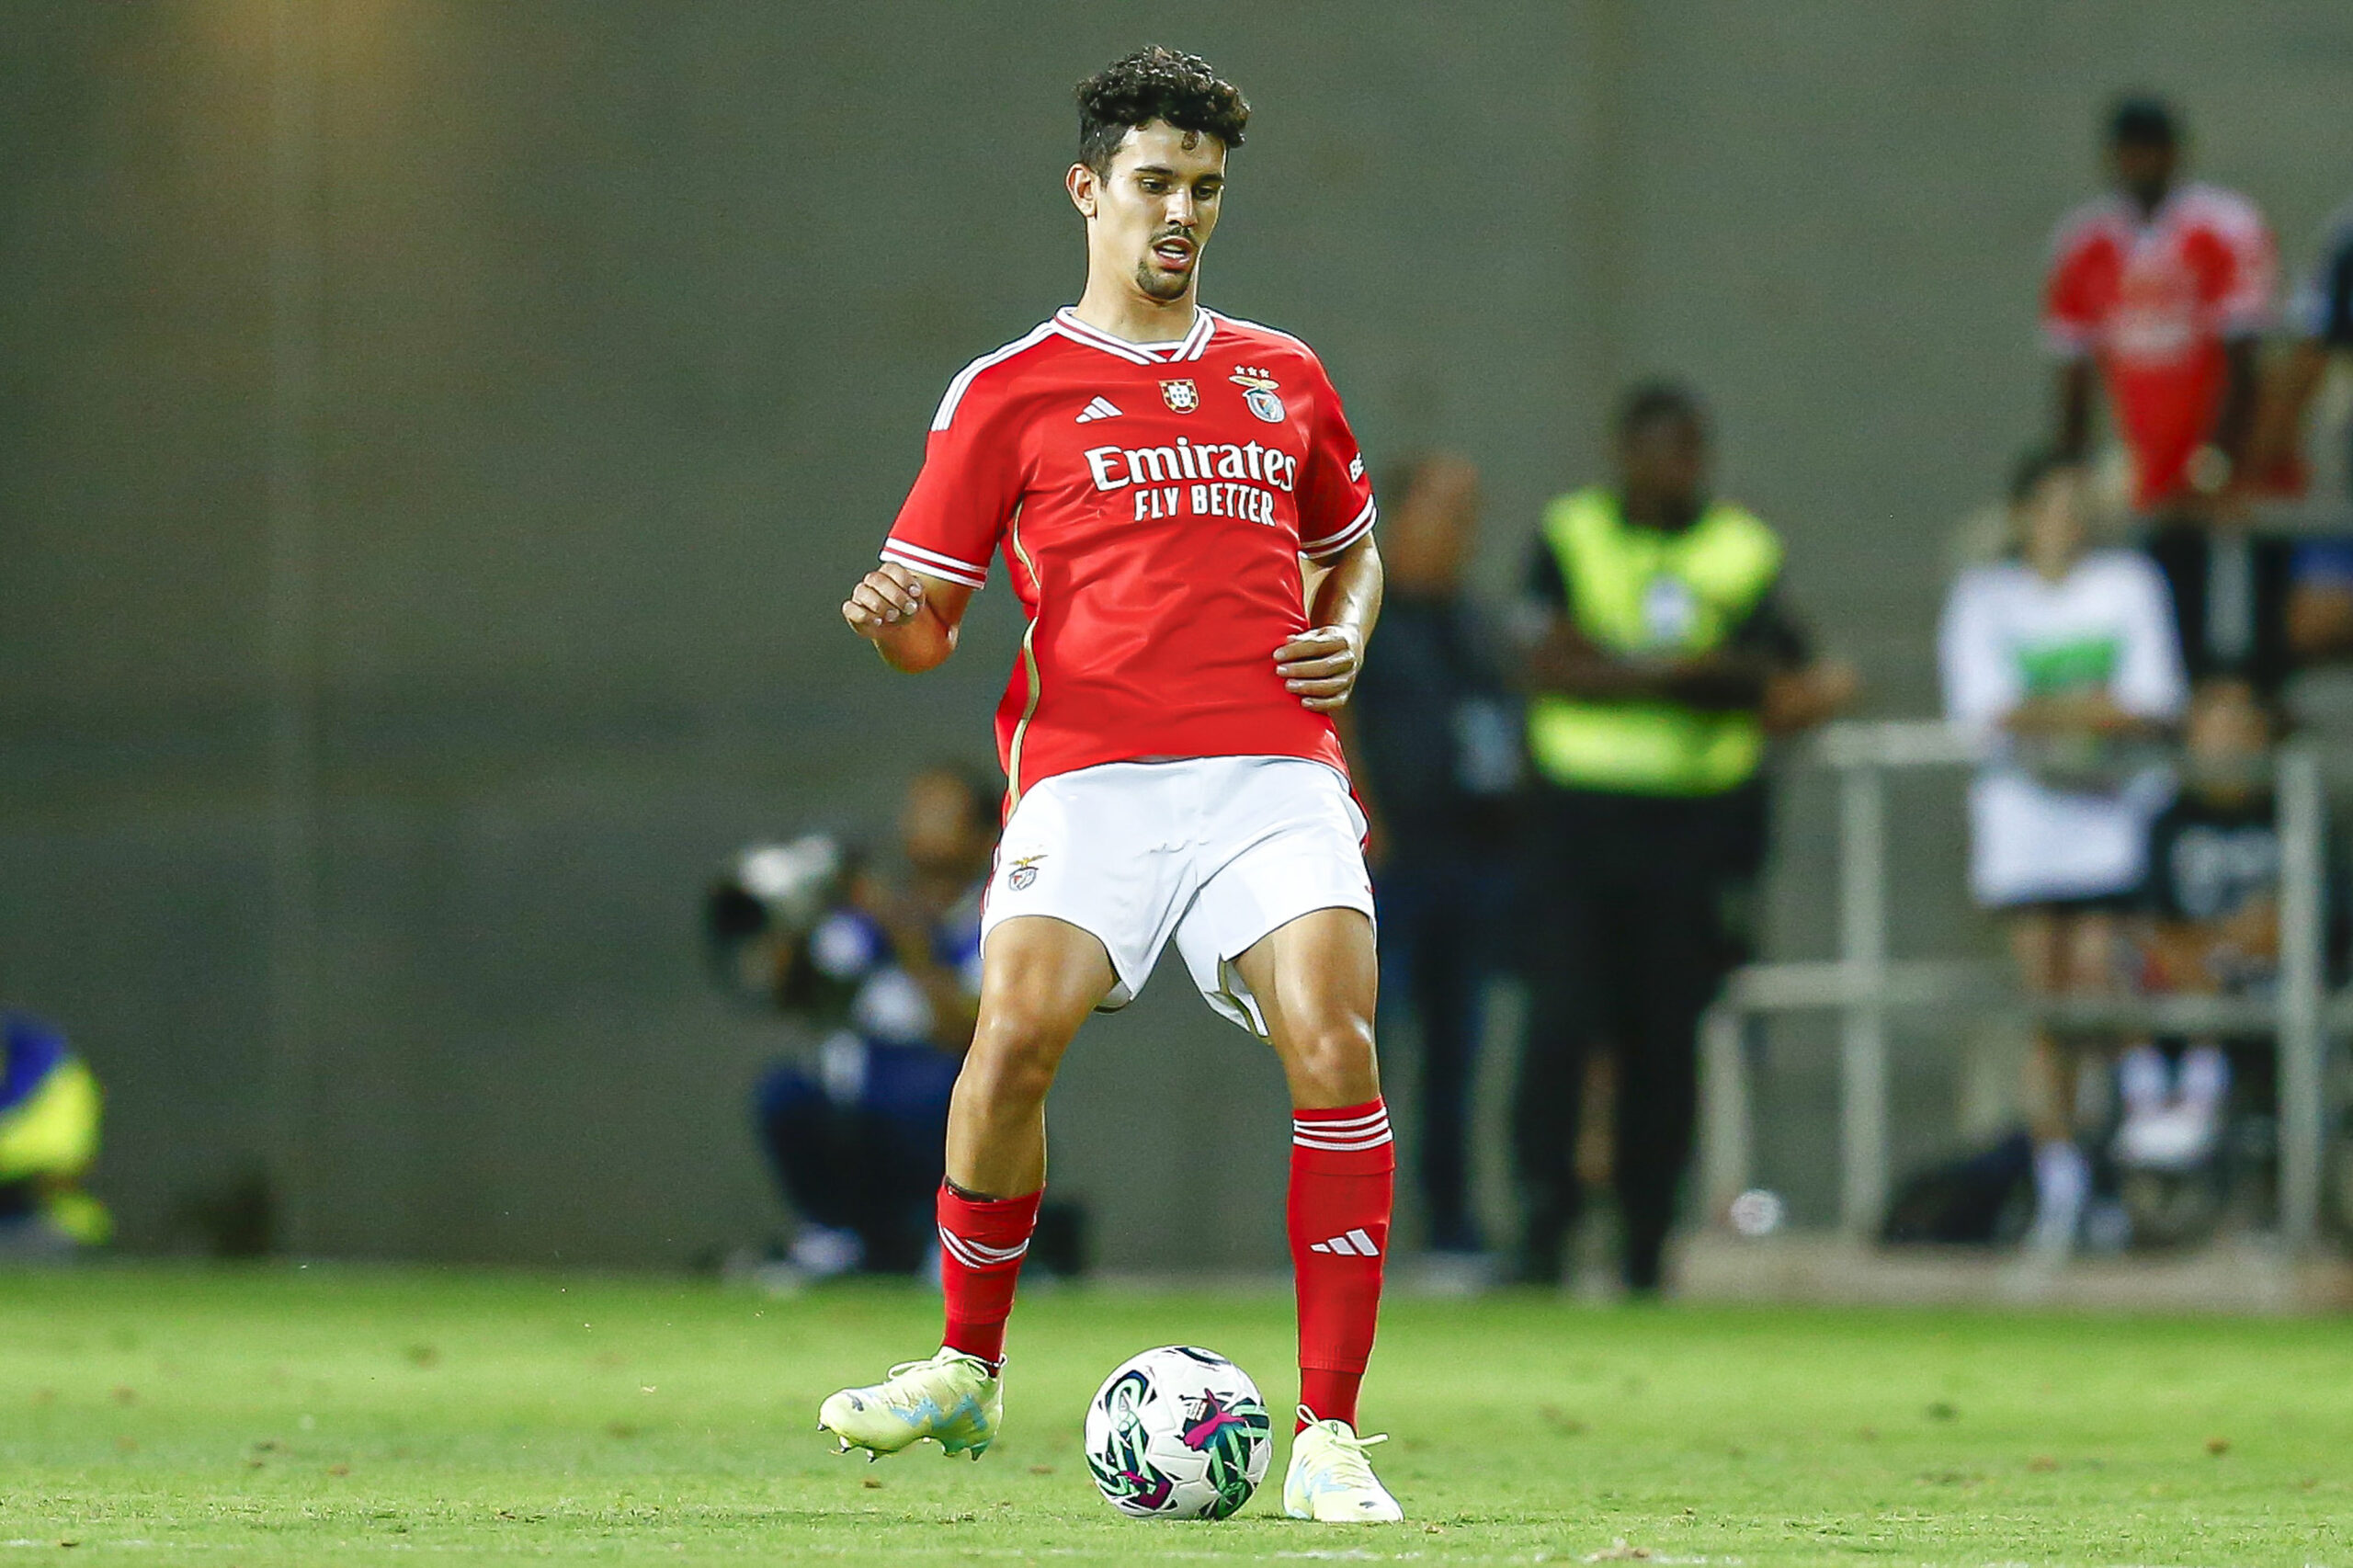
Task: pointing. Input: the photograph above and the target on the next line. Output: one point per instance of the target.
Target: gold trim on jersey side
(1029, 669)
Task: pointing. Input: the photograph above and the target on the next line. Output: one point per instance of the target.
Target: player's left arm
(2234, 422)
(2243, 282)
(1340, 564)
(1320, 665)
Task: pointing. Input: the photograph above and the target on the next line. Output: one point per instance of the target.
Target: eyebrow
(1164, 169)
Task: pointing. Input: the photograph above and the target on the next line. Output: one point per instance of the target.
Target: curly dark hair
(1155, 83)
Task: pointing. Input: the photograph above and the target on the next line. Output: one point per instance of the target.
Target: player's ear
(1084, 185)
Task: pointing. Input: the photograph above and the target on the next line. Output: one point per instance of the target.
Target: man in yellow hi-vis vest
(49, 1136)
(1665, 661)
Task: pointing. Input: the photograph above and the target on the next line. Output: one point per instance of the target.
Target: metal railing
(1864, 986)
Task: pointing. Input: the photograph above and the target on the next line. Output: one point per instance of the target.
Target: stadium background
(435, 437)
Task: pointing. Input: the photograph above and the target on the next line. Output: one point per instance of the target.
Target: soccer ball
(1178, 1434)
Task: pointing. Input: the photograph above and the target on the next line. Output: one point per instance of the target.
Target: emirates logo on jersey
(1182, 397)
(1259, 394)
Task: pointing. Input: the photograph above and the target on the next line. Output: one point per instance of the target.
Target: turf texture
(322, 1415)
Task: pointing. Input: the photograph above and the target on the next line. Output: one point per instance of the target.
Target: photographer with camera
(890, 977)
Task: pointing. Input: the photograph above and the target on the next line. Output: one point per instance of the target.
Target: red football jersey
(1152, 502)
(2155, 301)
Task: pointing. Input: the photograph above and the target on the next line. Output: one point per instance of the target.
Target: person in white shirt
(2063, 660)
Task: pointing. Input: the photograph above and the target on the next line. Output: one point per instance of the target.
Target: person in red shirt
(1187, 523)
(2162, 287)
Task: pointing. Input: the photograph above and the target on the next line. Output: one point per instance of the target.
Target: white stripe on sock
(1328, 1130)
(1339, 1123)
(1373, 1141)
(978, 1255)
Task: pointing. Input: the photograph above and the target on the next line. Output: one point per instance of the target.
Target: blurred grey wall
(436, 437)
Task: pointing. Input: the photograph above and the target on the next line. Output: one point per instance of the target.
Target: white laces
(1348, 1466)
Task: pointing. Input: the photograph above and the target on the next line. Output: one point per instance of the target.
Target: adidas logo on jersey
(1101, 408)
(1356, 1244)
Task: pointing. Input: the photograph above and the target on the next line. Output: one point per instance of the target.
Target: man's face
(2144, 170)
(1664, 463)
(1148, 219)
(2053, 525)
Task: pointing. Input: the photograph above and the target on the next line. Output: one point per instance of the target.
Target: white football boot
(1331, 1481)
(951, 1398)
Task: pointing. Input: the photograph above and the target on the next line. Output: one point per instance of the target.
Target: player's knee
(1012, 1058)
(1334, 1060)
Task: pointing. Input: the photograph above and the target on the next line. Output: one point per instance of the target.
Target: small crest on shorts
(1182, 396)
(1024, 872)
(1258, 391)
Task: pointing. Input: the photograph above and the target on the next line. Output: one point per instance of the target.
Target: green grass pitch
(322, 1416)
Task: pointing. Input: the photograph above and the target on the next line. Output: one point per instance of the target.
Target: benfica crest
(1024, 872)
(1182, 397)
(1258, 391)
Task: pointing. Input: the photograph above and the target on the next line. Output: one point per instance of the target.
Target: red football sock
(981, 1241)
(1343, 1177)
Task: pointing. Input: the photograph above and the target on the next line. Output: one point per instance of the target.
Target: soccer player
(1155, 474)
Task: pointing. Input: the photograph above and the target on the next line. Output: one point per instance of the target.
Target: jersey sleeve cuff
(1320, 548)
(932, 564)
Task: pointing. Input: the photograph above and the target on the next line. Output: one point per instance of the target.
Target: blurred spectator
(2063, 660)
(855, 1135)
(49, 1137)
(2320, 614)
(2213, 900)
(2165, 287)
(1434, 733)
(2320, 318)
(1665, 650)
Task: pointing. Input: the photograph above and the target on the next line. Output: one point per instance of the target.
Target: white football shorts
(1215, 851)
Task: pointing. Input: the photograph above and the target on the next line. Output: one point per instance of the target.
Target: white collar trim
(1190, 347)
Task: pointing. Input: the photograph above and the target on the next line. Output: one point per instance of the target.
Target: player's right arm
(2071, 325)
(954, 517)
(911, 618)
